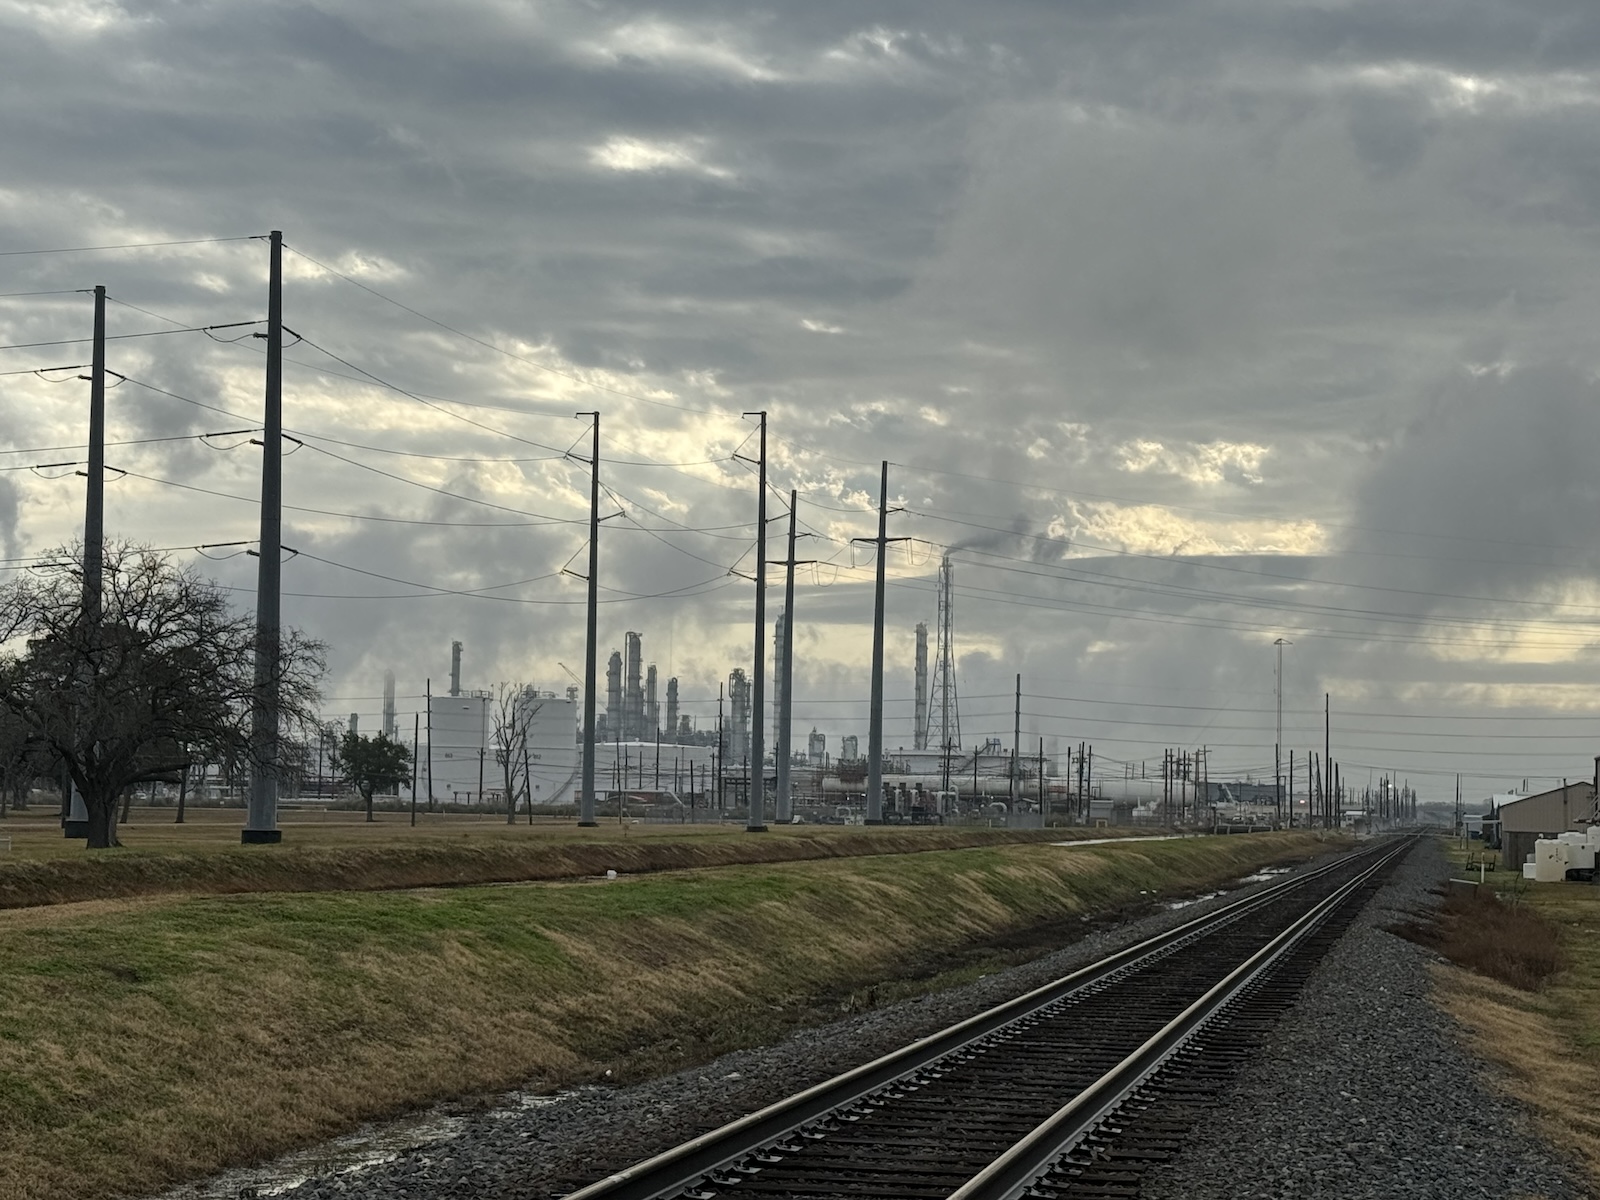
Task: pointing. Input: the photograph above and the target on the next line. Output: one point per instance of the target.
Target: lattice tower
(944, 715)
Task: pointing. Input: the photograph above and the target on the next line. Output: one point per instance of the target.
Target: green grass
(150, 1040)
(338, 852)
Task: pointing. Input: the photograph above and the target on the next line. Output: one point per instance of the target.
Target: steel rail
(1010, 1176)
(672, 1171)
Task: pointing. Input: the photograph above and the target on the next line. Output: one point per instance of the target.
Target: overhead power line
(117, 337)
(129, 246)
(487, 345)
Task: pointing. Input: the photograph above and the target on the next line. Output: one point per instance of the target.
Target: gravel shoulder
(1367, 1090)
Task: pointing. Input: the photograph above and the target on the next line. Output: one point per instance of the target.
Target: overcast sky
(1185, 326)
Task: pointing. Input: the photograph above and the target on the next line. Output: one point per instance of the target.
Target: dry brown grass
(1546, 1039)
(152, 1040)
(1545, 1066)
(1511, 943)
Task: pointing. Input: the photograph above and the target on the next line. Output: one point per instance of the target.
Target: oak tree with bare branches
(162, 677)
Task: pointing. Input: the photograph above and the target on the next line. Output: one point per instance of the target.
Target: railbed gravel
(544, 1152)
(1366, 1089)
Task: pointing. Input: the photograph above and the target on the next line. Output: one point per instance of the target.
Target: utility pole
(786, 688)
(1327, 753)
(1044, 810)
(1083, 799)
(427, 690)
(416, 745)
(1016, 746)
(1277, 741)
(586, 817)
(721, 755)
(875, 712)
(1088, 776)
(755, 786)
(94, 537)
(261, 825)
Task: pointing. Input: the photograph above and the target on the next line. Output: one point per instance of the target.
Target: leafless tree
(514, 708)
(23, 759)
(163, 677)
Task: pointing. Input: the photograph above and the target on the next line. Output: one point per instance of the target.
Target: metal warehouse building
(1524, 821)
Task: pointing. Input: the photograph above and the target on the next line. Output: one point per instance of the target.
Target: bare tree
(514, 708)
(23, 759)
(164, 675)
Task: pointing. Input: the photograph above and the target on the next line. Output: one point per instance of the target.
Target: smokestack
(355, 723)
(652, 706)
(614, 716)
(633, 695)
(388, 705)
(672, 708)
(919, 729)
(739, 698)
(455, 668)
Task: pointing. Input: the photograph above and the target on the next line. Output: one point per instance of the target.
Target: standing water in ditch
(369, 1146)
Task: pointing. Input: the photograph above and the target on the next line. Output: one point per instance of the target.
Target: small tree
(23, 759)
(371, 764)
(165, 671)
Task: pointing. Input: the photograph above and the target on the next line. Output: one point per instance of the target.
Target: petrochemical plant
(654, 757)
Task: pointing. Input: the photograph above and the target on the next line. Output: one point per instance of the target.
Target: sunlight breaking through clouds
(621, 153)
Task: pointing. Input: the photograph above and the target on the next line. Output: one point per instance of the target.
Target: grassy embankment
(1526, 987)
(340, 852)
(149, 1040)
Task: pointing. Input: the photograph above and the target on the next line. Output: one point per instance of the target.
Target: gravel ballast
(1365, 1089)
(1364, 1092)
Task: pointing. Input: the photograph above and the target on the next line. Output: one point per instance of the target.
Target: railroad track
(1072, 1090)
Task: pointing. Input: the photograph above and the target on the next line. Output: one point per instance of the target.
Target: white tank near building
(459, 727)
(1569, 855)
(552, 723)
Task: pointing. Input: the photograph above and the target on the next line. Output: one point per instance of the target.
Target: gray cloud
(1206, 283)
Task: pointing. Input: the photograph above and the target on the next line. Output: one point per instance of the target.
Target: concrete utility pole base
(588, 824)
(75, 829)
(870, 821)
(755, 828)
(260, 837)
